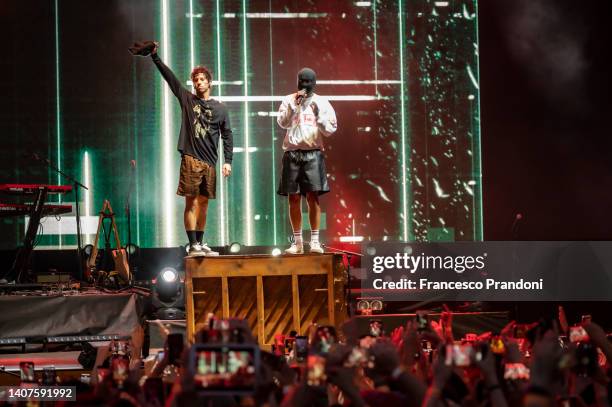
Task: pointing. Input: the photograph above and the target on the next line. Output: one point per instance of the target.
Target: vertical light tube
(191, 38)
(247, 160)
(87, 192)
(168, 196)
(477, 153)
(58, 130)
(404, 178)
(222, 201)
(272, 119)
(375, 29)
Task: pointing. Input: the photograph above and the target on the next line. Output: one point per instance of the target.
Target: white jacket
(304, 129)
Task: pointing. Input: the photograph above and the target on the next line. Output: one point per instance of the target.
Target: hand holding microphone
(299, 96)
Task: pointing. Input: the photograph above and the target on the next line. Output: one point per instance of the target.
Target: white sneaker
(208, 251)
(295, 249)
(315, 247)
(196, 250)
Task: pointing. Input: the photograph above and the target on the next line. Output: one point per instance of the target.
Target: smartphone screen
(120, 369)
(301, 348)
(516, 371)
(315, 375)
(421, 320)
(102, 374)
(225, 369)
(26, 372)
(376, 328)
(49, 376)
(578, 334)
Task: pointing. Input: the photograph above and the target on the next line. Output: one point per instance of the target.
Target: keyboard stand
(22, 257)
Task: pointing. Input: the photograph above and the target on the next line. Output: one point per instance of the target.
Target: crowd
(542, 364)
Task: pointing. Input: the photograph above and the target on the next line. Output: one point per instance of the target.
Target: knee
(191, 203)
(202, 201)
(312, 198)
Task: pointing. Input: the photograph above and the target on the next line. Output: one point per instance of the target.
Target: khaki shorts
(197, 178)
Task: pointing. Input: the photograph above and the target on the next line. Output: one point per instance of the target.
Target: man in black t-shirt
(204, 121)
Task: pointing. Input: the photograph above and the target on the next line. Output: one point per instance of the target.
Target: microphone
(299, 97)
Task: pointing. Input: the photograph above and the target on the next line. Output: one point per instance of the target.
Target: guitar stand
(122, 268)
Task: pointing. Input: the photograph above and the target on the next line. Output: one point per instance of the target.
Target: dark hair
(201, 69)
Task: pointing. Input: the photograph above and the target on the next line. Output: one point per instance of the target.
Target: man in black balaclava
(307, 117)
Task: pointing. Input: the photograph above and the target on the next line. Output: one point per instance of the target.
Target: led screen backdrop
(401, 75)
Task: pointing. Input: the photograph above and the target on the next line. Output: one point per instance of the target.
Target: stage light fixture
(235, 247)
(132, 249)
(369, 305)
(169, 294)
(84, 338)
(169, 275)
(12, 341)
(87, 250)
(276, 252)
(376, 305)
(363, 306)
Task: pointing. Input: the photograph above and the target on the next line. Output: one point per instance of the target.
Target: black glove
(142, 48)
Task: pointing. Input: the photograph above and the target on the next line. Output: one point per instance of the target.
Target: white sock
(314, 236)
(297, 237)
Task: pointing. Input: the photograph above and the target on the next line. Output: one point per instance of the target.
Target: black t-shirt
(203, 122)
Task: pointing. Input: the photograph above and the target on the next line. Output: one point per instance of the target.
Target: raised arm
(171, 79)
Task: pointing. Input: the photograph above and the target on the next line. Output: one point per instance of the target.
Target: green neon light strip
(406, 223)
(168, 196)
(477, 153)
(86, 171)
(191, 40)
(223, 227)
(247, 160)
(273, 141)
(136, 193)
(58, 131)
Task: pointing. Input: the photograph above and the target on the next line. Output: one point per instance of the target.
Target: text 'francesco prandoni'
(438, 266)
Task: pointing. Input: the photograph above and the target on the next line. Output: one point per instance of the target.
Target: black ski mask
(307, 80)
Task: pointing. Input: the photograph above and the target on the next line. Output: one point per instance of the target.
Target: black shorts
(303, 171)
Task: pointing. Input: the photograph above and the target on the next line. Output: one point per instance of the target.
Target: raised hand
(144, 48)
(299, 97)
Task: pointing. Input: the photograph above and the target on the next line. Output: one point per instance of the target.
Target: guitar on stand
(102, 272)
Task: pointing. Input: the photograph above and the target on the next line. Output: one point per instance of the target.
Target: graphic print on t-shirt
(201, 122)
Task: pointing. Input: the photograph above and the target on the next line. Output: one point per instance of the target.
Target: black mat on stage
(85, 314)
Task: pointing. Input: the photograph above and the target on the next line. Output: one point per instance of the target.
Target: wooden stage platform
(274, 294)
